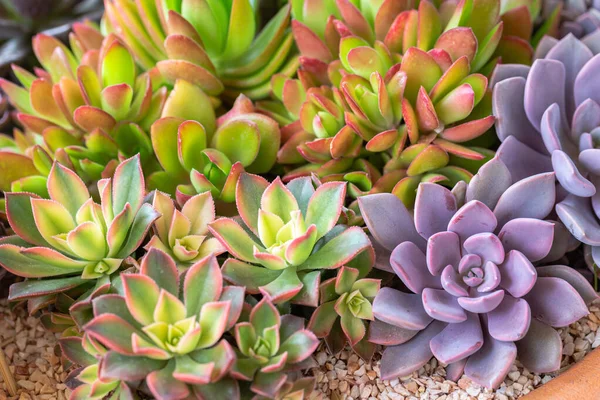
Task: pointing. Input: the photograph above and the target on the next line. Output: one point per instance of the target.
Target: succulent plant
(579, 17)
(268, 345)
(344, 312)
(200, 157)
(70, 242)
(100, 108)
(468, 258)
(183, 234)
(555, 128)
(21, 19)
(169, 335)
(287, 235)
(211, 43)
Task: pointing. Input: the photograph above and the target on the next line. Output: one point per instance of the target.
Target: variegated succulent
(345, 311)
(210, 43)
(182, 234)
(477, 299)
(169, 334)
(287, 235)
(69, 242)
(268, 346)
(209, 157)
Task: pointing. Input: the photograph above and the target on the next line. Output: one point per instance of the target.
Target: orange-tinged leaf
(90, 118)
(421, 70)
(44, 105)
(459, 150)
(468, 131)
(458, 71)
(67, 188)
(173, 70)
(426, 115)
(432, 157)
(116, 100)
(429, 24)
(181, 47)
(14, 166)
(456, 105)
(458, 42)
(382, 141)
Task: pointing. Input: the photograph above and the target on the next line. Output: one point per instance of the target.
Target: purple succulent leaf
(460, 193)
(455, 370)
(590, 159)
(539, 95)
(585, 119)
(481, 303)
(547, 293)
(458, 341)
(472, 218)
(388, 220)
(400, 309)
(403, 359)
(577, 215)
(573, 54)
(487, 246)
(554, 132)
(521, 160)
(575, 279)
(409, 263)
(586, 142)
(544, 46)
(453, 283)
(532, 197)
(510, 320)
(443, 249)
(531, 237)
(491, 278)
(389, 335)
(434, 207)
(569, 176)
(382, 256)
(587, 85)
(492, 179)
(511, 120)
(561, 244)
(540, 350)
(503, 72)
(518, 274)
(442, 306)
(491, 363)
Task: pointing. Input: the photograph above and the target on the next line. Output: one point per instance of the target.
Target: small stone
(569, 349)
(27, 385)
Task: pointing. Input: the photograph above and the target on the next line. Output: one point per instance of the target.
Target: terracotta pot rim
(579, 382)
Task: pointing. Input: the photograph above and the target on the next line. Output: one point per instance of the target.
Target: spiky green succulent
(287, 236)
(270, 345)
(168, 333)
(69, 242)
(212, 43)
(345, 311)
(182, 233)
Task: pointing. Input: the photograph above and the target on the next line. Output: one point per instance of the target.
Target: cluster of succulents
(197, 192)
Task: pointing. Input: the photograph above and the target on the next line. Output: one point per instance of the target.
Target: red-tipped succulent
(167, 330)
(345, 311)
(270, 345)
(286, 236)
(70, 242)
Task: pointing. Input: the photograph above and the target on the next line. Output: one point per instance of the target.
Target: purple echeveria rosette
(579, 17)
(548, 118)
(468, 258)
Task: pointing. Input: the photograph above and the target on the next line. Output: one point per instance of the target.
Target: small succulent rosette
(345, 311)
(69, 241)
(210, 43)
(555, 128)
(287, 235)
(203, 157)
(183, 233)
(269, 346)
(168, 330)
(578, 17)
(478, 302)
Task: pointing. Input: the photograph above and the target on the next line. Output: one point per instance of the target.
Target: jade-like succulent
(477, 299)
(345, 311)
(210, 43)
(69, 241)
(196, 158)
(287, 235)
(167, 333)
(268, 346)
(183, 233)
(556, 127)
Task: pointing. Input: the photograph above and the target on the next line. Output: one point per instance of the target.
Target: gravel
(32, 358)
